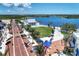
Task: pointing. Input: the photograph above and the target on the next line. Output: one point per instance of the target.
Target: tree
(52, 31)
(68, 51)
(40, 50)
(35, 34)
(31, 30)
(28, 27)
(68, 27)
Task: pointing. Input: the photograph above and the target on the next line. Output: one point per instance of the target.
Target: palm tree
(32, 30)
(35, 34)
(68, 51)
(52, 31)
(28, 27)
(69, 27)
(40, 50)
(22, 24)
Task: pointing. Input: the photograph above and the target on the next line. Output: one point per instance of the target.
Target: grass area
(44, 31)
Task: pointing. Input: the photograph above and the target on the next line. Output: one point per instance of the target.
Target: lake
(57, 21)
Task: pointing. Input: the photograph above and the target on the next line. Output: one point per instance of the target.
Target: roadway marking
(19, 47)
(18, 44)
(13, 41)
(25, 48)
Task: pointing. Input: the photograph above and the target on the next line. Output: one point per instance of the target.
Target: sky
(39, 8)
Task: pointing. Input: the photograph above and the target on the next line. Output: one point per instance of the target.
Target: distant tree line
(11, 17)
(36, 15)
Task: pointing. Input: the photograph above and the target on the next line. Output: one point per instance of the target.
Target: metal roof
(30, 21)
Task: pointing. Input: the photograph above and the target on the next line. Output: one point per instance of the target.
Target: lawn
(44, 31)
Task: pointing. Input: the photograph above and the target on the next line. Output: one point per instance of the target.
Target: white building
(6, 36)
(31, 22)
(6, 21)
(75, 43)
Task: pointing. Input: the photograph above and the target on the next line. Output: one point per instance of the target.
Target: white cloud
(17, 7)
(28, 5)
(16, 4)
(7, 4)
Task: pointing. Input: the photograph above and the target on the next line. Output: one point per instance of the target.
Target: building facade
(31, 22)
(74, 43)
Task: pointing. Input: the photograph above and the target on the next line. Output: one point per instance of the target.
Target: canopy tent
(47, 43)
